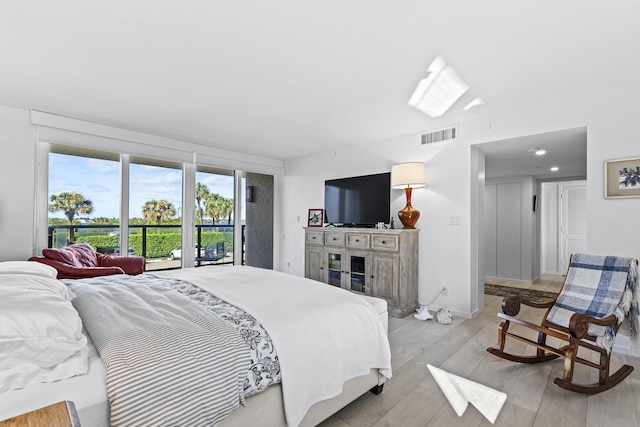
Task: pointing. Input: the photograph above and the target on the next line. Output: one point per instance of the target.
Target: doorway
(515, 160)
(563, 224)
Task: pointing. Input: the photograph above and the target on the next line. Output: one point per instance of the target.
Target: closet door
(509, 230)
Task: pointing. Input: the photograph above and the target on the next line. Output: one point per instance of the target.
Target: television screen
(358, 201)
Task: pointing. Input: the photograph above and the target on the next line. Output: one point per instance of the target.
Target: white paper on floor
(460, 392)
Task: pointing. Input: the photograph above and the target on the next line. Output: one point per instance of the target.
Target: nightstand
(61, 414)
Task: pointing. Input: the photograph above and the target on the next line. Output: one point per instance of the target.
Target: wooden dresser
(380, 263)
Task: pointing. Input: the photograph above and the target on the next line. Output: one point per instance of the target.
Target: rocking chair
(597, 295)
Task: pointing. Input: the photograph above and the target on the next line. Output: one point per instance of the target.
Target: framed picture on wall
(622, 178)
(315, 218)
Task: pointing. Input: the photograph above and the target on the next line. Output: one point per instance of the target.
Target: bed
(330, 347)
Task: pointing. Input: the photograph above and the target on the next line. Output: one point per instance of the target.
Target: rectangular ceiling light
(437, 92)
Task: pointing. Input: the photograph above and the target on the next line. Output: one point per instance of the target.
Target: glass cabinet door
(335, 269)
(357, 277)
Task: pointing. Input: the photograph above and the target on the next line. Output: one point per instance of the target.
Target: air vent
(439, 135)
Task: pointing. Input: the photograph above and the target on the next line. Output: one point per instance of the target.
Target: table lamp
(408, 175)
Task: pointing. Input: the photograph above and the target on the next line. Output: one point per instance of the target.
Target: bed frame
(267, 409)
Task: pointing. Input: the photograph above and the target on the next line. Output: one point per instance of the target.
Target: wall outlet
(445, 291)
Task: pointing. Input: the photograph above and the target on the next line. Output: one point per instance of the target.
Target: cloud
(167, 178)
(99, 165)
(57, 159)
(220, 184)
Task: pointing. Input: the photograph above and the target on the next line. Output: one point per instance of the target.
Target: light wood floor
(412, 397)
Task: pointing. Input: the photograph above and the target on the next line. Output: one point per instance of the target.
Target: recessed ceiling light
(541, 152)
(554, 169)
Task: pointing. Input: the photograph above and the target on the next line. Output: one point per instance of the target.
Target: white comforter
(324, 336)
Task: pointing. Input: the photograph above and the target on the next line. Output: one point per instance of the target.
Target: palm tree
(202, 194)
(71, 204)
(228, 209)
(158, 210)
(215, 207)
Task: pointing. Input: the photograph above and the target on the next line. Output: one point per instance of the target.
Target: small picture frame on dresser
(315, 218)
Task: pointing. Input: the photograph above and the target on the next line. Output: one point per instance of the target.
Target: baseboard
(623, 346)
(464, 315)
(491, 278)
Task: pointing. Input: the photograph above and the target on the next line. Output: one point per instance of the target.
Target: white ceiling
(285, 79)
(566, 150)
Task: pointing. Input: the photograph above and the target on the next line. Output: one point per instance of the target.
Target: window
(90, 191)
(83, 197)
(214, 216)
(155, 210)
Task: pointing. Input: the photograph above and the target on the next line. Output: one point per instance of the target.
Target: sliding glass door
(90, 191)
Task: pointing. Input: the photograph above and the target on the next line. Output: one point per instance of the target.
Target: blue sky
(99, 181)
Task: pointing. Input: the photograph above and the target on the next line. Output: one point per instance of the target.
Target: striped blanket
(169, 361)
(599, 286)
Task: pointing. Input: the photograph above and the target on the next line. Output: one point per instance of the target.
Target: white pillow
(40, 332)
(28, 267)
(31, 285)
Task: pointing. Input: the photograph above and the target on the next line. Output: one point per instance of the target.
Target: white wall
(17, 178)
(448, 192)
(447, 252)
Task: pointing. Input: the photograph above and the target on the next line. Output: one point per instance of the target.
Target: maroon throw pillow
(77, 255)
(63, 256)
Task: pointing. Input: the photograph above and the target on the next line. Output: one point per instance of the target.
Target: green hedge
(158, 245)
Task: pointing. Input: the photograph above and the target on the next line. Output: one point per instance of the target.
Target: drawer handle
(321, 268)
(314, 237)
(384, 242)
(334, 238)
(357, 240)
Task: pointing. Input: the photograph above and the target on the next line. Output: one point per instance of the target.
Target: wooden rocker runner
(599, 292)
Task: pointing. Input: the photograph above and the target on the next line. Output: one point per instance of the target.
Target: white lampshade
(409, 174)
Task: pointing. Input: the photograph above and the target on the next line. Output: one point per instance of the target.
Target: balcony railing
(159, 244)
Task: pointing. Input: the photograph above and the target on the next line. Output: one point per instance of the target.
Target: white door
(573, 221)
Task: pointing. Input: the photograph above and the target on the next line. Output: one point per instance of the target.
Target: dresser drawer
(334, 238)
(384, 242)
(315, 237)
(358, 240)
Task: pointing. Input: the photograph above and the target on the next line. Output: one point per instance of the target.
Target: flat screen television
(359, 201)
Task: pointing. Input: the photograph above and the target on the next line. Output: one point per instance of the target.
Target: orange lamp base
(408, 215)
